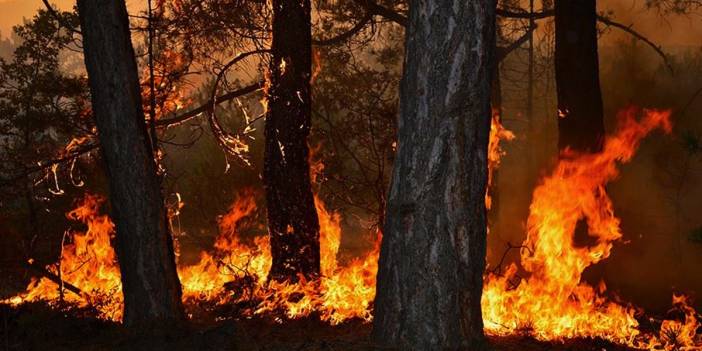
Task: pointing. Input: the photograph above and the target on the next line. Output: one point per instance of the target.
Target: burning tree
(433, 251)
(429, 284)
(150, 283)
(292, 219)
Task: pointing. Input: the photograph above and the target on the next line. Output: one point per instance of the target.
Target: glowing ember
(169, 96)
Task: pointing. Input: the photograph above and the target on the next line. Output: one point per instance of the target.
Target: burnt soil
(35, 326)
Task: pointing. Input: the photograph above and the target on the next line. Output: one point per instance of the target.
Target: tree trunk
(580, 112)
(144, 247)
(292, 218)
(432, 256)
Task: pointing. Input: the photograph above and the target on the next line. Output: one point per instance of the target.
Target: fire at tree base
(548, 303)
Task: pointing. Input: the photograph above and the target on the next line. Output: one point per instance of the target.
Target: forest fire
(366, 210)
(88, 262)
(550, 302)
(344, 291)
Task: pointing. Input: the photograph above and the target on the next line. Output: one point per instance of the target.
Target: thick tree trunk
(150, 285)
(292, 218)
(580, 112)
(433, 251)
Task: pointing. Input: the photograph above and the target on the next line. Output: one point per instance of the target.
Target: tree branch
(520, 14)
(503, 51)
(390, 14)
(56, 279)
(224, 138)
(186, 116)
(637, 35)
(346, 35)
(58, 18)
(47, 164)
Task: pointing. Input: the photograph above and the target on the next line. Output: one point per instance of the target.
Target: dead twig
(498, 268)
(628, 29)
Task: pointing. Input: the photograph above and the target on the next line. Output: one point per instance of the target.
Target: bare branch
(384, 12)
(186, 116)
(56, 279)
(346, 35)
(502, 52)
(48, 164)
(521, 14)
(224, 138)
(58, 18)
(637, 35)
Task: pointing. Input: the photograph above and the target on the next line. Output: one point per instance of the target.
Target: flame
(233, 272)
(551, 303)
(676, 335)
(169, 95)
(88, 262)
(316, 64)
(497, 133)
(343, 292)
(543, 296)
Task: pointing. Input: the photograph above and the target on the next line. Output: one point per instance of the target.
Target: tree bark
(292, 217)
(144, 247)
(580, 111)
(432, 256)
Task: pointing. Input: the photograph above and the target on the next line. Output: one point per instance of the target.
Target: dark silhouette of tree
(42, 108)
(580, 111)
(432, 256)
(144, 247)
(292, 218)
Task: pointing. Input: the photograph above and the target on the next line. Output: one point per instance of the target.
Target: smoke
(667, 30)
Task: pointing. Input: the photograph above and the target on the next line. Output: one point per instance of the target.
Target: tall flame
(88, 263)
(551, 302)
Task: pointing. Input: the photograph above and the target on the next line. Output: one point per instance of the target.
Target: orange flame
(497, 133)
(89, 263)
(169, 96)
(343, 292)
(549, 303)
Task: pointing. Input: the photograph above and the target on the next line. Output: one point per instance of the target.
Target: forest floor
(34, 326)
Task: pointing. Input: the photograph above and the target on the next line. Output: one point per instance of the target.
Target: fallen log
(55, 278)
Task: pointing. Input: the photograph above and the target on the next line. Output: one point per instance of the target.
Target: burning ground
(537, 303)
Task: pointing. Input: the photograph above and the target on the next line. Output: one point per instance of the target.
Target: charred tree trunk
(496, 107)
(292, 218)
(433, 251)
(496, 93)
(580, 111)
(152, 292)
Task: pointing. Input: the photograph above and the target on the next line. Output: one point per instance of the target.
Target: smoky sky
(669, 30)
